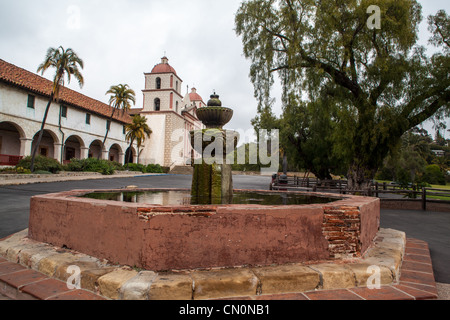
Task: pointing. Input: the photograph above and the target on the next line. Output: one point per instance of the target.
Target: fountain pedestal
(212, 181)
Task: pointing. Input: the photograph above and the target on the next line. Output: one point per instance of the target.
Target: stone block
(363, 272)
(287, 278)
(32, 255)
(84, 264)
(137, 288)
(390, 258)
(334, 276)
(89, 278)
(224, 283)
(171, 287)
(50, 264)
(110, 283)
(11, 241)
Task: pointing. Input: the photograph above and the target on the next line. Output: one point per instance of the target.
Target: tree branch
(430, 110)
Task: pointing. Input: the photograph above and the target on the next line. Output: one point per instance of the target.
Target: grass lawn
(447, 187)
(434, 186)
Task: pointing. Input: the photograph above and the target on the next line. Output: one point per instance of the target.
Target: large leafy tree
(66, 63)
(121, 97)
(379, 81)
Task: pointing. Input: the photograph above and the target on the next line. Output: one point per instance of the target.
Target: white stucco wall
(13, 109)
(153, 152)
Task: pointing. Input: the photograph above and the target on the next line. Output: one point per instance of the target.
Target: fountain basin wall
(158, 238)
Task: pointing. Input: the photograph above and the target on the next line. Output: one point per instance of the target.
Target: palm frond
(66, 63)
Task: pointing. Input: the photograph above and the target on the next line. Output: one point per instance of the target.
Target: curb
(33, 270)
(64, 178)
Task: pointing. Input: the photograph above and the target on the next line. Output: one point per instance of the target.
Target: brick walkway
(20, 283)
(416, 283)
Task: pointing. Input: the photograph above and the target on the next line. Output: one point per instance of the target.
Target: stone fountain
(212, 181)
(212, 230)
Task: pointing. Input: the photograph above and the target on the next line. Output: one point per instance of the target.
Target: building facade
(75, 126)
(170, 115)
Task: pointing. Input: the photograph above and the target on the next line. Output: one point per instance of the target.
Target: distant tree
(434, 175)
(66, 62)
(138, 130)
(307, 134)
(121, 98)
(380, 82)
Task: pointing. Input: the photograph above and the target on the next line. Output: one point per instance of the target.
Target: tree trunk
(130, 157)
(41, 133)
(360, 178)
(107, 130)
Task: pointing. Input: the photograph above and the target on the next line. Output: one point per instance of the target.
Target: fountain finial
(214, 101)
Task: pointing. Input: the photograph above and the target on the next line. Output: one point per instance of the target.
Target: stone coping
(116, 282)
(212, 237)
(23, 179)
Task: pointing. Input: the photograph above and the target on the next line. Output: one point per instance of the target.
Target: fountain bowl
(215, 116)
(162, 237)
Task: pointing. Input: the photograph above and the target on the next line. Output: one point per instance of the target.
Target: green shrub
(135, 167)
(154, 168)
(93, 165)
(151, 168)
(40, 164)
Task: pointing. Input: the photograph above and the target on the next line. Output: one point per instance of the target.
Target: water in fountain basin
(185, 198)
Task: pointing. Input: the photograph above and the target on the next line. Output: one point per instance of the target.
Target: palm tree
(66, 62)
(138, 131)
(121, 98)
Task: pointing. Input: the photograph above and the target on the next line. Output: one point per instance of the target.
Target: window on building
(64, 111)
(88, 118)
(176, 106)
(157, 104)
(158, 83)
(31, 100)
(176, 86)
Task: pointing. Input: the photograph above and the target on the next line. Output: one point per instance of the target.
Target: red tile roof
(24, 79)
(195, 97)
(163, 68)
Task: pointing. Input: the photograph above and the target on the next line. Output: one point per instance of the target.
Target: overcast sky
(120, 40)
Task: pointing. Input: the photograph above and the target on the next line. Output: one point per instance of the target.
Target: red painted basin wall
(164, 238)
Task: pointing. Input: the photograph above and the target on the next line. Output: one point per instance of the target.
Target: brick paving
(20, 283)
(416, 283)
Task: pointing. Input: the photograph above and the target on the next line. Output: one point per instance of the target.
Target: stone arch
(49, 144)
(74, 147)
(96, 149)
(116, 153)
(130, 158)
(12, 143)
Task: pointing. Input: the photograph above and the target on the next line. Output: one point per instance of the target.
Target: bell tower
(162, 89)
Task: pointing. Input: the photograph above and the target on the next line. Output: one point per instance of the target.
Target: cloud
(120, 40)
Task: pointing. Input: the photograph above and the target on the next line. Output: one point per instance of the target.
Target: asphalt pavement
(431, 227)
